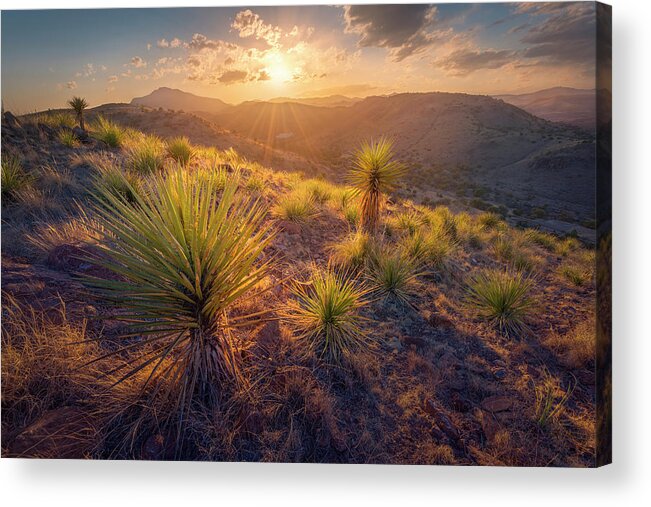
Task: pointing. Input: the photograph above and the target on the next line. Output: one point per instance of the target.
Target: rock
(62, 433)
(416, 341)
(80, 134)
(289, 227)
(497, 403)
(437, 320)
(499, 373)
(394, 343)
(489, 425)
(433, 409)
(460, 404)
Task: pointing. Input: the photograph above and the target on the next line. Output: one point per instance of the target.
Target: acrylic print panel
(331, 234)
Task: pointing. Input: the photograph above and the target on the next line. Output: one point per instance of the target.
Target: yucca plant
(14, 177)
(574, 274)
(298, 206)
(430, 248)
(489, 220)
(394, 275)
(184, 255)
(79, 105)
(108, 132)
(503, 298)
(325, 313)
(408, 221)
(180, 150)
(551, 399)
(374, 173)
(68, 139)
(146, 155)
(124, 184)
(353, 251)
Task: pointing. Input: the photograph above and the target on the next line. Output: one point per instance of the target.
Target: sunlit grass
(146, 155)
(14, 178)
(297, 206)
(108, 132)
(180, 150)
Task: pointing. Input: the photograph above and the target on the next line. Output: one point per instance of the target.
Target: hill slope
(169, 98)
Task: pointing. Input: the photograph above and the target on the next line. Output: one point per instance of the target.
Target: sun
(278, 70)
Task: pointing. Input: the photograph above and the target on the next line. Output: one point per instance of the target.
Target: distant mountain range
(178, 100)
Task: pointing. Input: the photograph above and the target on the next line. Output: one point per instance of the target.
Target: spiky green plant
(543, 239)
(353, 251)
(325, 313)
(14, 177)
(146, 155)
(79, 105)
(394, 275)
(108, 132)
(124, 184)
(430, 248)
(68, 139)
(184, 255)
(374, 173)
(297, 206)
(503, 298)
(408, 221)
(551, 400)
(180, 150)
(489, 220)
(322, 191)
(574, 274)
(351, 214)
(255, 184)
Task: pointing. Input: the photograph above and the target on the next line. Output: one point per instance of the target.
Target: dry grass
(576, 348)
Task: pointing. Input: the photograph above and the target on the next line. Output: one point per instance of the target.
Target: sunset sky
(238, 54)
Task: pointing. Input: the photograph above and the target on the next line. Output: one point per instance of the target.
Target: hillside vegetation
(177, 299)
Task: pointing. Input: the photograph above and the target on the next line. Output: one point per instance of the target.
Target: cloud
(566, 34)
(233, 76)
(71, 85)
(163, 43)
(403, 29)
(465, 61)
(112, 79)
(176, 42)
(250, 24)
(138, 62)
(200, 41)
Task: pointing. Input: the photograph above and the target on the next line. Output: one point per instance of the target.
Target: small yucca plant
(325, 313)
(298, 206)
(322, 191)
(180, 150)
(394, 275)
(374, 173)
(489, 220)
(14, 178)
(575, 275)
(108, 132)
(408, 221)
(353, 251)
(68, 139)
(503, 298)
(146, 155)
(184, 255)
(79, 105)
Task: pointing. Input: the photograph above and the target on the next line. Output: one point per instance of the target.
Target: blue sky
(236, 54)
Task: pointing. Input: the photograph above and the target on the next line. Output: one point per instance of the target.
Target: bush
(108, 132)
(542, 239)
(184, 256)
(575, 275)
(68, 139)
(324, 312)
(180, 150)
(352, 252)
(489, 220)
(146, 155)
(321, 191)
(14, 178)
(113, 180)
(296, 207)
(407, 221)
(502, 298)
(394, 275)
(255, 184)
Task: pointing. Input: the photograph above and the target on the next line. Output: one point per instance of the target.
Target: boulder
(80, 134)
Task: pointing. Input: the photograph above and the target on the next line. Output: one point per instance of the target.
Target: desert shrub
(146, 155)
(185, 255)
(180, 150)
(255, 184)
(407, 221)
(67, 138)
(567, 246)
(344, 197)
(352, 252)
(551, 400)
(373, 174)
(542, 239)
(444, 219)
(489, 220)
(351, 213)
(325, 313)
(63, 119)
(429, 248)
(503, 248)
(296, 206)
(14, 178)
(108, 132)
(393, 275)
(574, 274)
(321, 191)
(119, 183)
(502, 298)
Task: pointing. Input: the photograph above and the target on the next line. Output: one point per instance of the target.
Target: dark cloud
(399, 28)
(233, 76)
(566, 35)
(464, 61)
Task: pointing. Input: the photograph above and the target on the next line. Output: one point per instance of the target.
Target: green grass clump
(14, 178)
(321, 191)
(297, 206)
(352, 214)
(185, 255)
(255, 184)
(408, 221)
(108, 132)
(394, 275)
(180, 150)
(146, 155)
(550, 401)
(68, 139)
(325, 313)
(542, 239)
(567, 246)
(489, 220)
(353, 251)
(503, 248)
(430, 248)
(122, 184)
(503, 298)
(575, 275)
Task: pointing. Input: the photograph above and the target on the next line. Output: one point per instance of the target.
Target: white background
(626, 482)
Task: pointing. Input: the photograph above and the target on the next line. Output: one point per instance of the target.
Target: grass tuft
(353, 251)
(108, 132)
(297, 206)
(14, 178)
(394, 275)
(146, 155)
(180, 150)
(68, 139)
